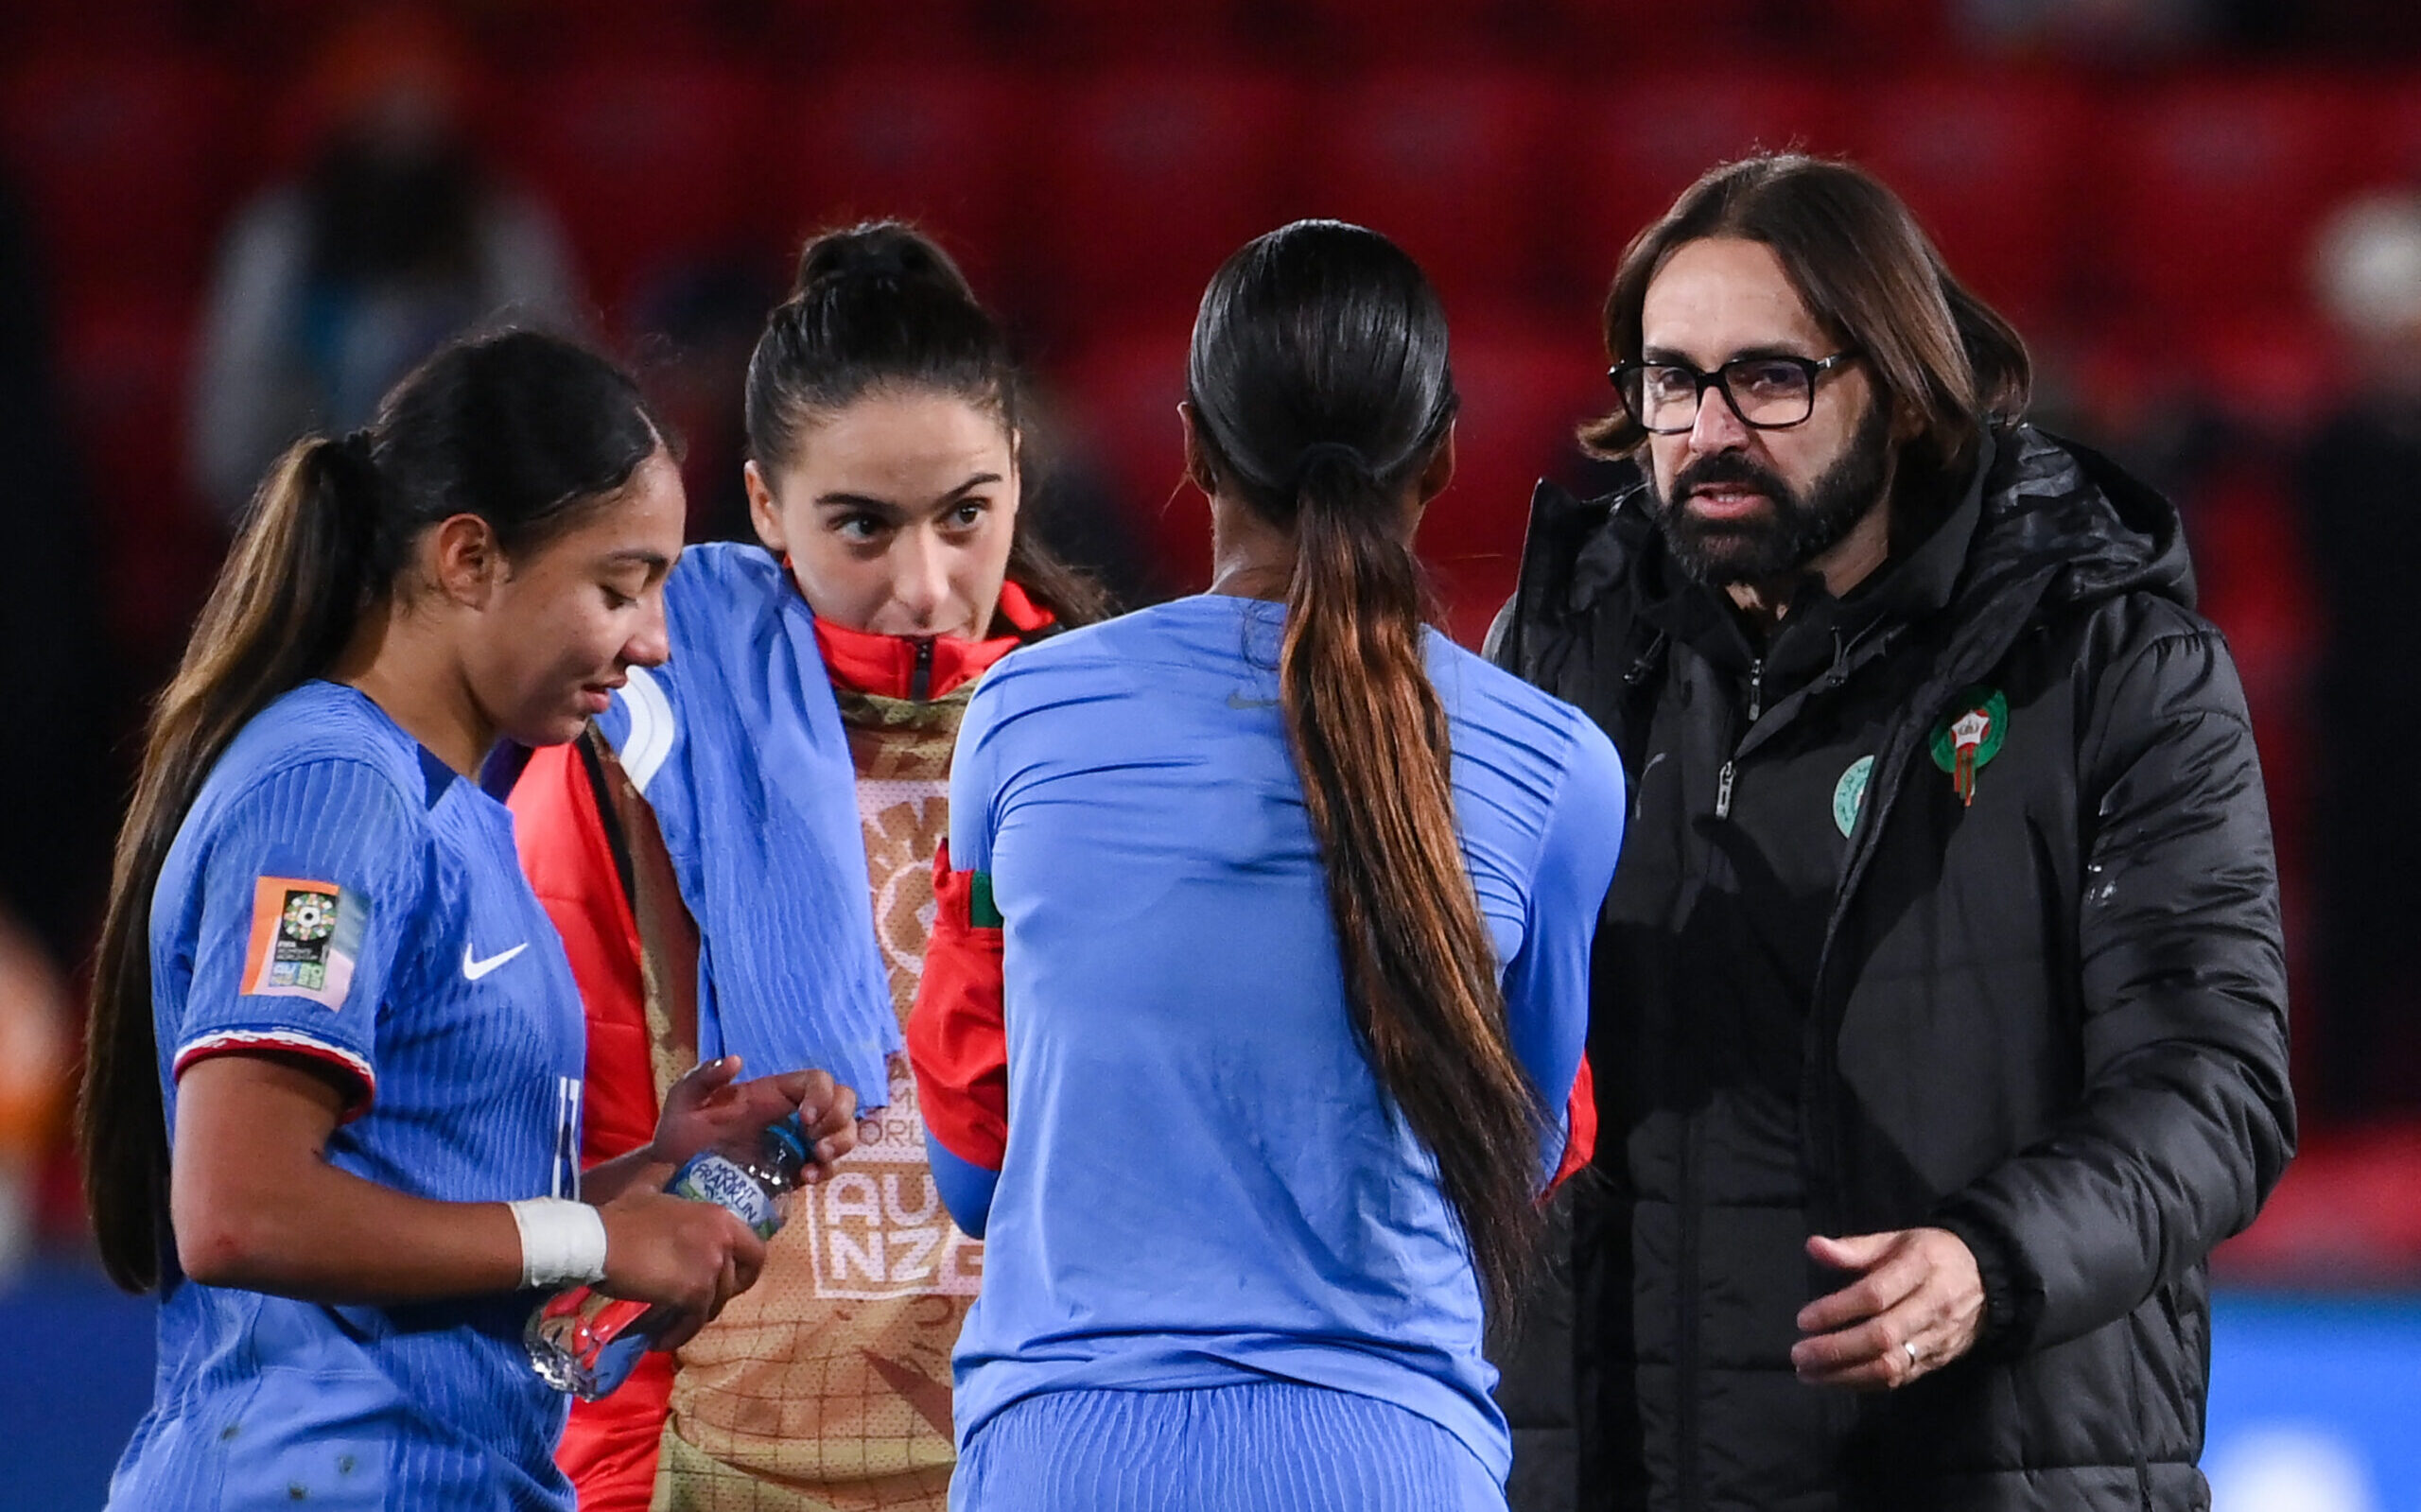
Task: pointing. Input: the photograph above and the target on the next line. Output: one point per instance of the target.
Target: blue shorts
(1263, 1447)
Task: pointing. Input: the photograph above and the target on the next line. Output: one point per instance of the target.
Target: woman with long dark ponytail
(1288, 902)
(335, 1054)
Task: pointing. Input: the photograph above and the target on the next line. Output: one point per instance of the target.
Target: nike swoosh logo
(1237, 701)
(474, 968)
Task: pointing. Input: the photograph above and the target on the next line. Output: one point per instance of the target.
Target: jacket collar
(2051, 521)
(1917, 582)
(926, 667)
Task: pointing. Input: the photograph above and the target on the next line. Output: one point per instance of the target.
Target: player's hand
(1917, 1305)
(710, 1108)
(827, 1111)
(691, 1256)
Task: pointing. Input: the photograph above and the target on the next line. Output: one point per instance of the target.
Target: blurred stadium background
(2199, 211)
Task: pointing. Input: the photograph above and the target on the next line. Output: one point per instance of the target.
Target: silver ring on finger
(1914, 1358)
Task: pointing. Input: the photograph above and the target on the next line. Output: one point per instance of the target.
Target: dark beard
(1795, 531)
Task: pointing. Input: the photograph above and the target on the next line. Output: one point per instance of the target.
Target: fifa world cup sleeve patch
(305, 938)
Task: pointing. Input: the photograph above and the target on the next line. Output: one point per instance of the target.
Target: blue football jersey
(338, 893)
(1203, 1183)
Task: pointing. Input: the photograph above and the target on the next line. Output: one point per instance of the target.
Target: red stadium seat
(125, 160)
(818, 31)
(2213, 188)
(644, 31)
(1436, 29)
(2388, 148)
(1606, 30)
(940, 146)
(1122, 397)
(125, 364)
(1165, 31)
(1640, 145)
(1912, 30)
(1992, 168)
(651, 164)
(1524, 386)
(1461, 167)
(2274, 372)
(2347, 1213)
(1152, 179)
(38, 24)
(1859, 33)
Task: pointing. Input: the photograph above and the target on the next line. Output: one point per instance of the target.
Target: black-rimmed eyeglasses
(1769, 392)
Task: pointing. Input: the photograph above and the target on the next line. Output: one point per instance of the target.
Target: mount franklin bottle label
(712, 1178)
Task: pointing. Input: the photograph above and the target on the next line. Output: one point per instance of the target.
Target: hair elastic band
(562, 1242)
(1326, 451)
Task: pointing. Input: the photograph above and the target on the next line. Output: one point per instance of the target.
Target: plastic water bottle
(588, 1344)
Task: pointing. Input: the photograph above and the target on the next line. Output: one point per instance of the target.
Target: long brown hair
(880, 305)
(1319, 383)
(523, 430)
(1869, 275)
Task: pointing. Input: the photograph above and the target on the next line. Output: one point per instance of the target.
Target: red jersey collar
(890, 666)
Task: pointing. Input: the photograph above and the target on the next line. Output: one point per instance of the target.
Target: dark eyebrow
(890, 510)
(640, 556)
(1666, 357)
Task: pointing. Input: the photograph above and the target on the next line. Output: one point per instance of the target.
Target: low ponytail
(526, 431)
(1418, 962)
(286, 603)
(1321, 393)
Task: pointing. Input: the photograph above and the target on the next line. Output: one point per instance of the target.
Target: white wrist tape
(561, 1240)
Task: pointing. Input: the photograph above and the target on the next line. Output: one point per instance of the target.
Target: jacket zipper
(920, 682)
(1731, 768)
(1686, 1351)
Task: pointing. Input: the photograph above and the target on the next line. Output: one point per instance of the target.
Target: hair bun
(879, 253)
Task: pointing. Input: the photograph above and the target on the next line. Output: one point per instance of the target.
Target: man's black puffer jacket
(2052, 1022)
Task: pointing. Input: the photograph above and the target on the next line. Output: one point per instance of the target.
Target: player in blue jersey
(333, 1092)
(1262, 976)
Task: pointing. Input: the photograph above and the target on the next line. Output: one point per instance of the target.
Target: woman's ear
(464, 560)
(763, 514)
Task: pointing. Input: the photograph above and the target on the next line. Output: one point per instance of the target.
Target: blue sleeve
(974, 787)
(1546, 985)
(965, 1188)
(310, 886)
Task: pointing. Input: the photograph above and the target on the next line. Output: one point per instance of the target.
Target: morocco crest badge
(1970, 737)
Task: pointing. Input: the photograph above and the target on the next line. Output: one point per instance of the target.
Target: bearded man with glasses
(1938, 1016)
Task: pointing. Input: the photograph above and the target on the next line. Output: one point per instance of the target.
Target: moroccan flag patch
(305, 937)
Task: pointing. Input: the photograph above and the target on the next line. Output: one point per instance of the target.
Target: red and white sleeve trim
(289, 1042)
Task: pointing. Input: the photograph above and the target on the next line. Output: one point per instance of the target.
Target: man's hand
(1916, 1306)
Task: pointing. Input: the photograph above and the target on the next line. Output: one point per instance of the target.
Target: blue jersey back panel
(1203, 1182)
(336, 893)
